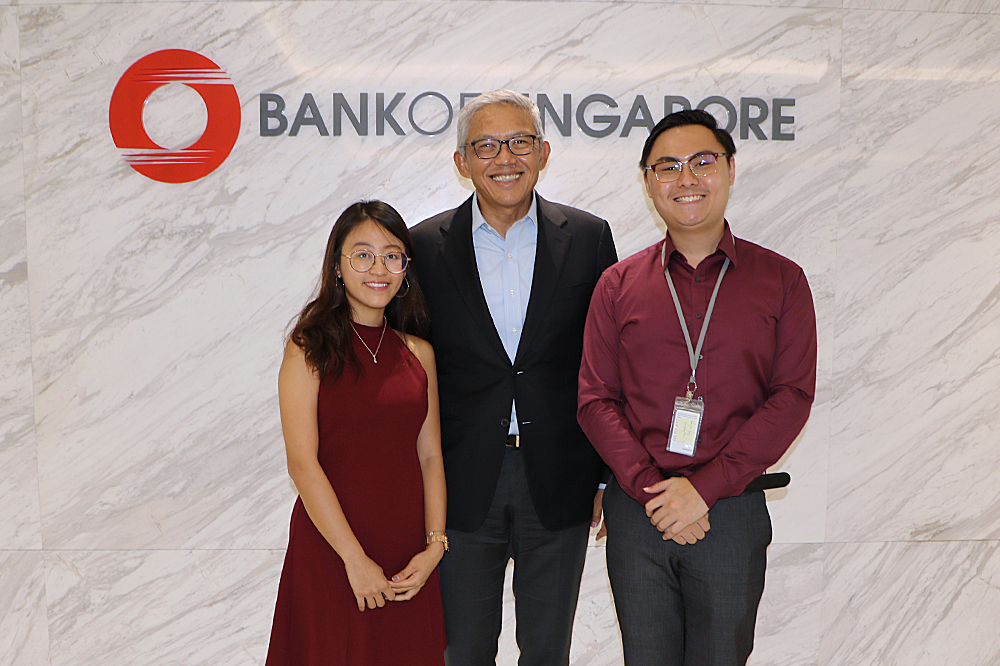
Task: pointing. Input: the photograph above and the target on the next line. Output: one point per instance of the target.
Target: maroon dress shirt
(757, 374)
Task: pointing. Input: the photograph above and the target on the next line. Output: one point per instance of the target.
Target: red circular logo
(208, 80)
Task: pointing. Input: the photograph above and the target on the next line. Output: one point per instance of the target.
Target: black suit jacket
(477, 381)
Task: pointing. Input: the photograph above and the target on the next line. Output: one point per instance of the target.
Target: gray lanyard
(693, 353)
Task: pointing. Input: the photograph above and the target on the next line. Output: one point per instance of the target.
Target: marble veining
(19, 500)
(916, 274)
(171, 607)
(896, 604)
(789, 623)
(24, 629)
(930, 6)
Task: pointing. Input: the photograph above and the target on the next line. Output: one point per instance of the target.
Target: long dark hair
(323, 330)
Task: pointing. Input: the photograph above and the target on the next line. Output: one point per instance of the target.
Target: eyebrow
(497, 138)
(670, 158)
(390, 245)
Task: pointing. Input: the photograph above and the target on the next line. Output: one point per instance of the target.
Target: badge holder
(686, 423)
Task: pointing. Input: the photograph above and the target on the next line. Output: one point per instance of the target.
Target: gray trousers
(547, 570)
(691, 605)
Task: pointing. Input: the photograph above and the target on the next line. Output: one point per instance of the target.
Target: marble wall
(144, 501)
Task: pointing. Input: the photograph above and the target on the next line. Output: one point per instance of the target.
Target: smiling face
(504, 184)
(370, 292)
(691, 205)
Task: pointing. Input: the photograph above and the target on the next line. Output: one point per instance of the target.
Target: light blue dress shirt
(505, 269)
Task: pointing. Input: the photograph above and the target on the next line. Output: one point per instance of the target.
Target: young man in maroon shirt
(686, 418)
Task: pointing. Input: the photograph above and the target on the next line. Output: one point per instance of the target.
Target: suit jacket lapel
(460, 257)
(550, 257)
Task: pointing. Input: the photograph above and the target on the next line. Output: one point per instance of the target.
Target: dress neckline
(377, 327)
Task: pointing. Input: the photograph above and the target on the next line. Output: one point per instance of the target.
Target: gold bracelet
(438, 536)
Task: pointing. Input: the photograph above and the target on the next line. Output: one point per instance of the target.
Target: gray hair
(508, 97)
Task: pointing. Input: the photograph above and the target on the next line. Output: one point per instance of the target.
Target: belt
(513, 441)
(763, 482)
(769, 481)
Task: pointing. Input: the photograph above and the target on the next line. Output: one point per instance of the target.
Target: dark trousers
(691, 605)
(547, 570)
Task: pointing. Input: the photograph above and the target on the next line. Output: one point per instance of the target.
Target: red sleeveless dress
(368, 427)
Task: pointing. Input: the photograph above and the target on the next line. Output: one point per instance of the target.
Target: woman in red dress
(359, 414)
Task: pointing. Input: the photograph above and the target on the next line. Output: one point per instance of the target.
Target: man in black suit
(508, 277)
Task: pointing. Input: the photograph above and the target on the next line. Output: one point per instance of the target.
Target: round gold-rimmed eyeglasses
(363, 260)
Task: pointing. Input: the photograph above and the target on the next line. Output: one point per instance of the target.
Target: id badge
(685, 426)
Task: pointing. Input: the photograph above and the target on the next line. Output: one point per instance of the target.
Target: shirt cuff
(709, 484)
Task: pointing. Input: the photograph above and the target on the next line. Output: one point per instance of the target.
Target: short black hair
(681, 119)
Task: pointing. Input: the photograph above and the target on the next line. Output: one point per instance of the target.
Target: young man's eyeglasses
(487, 149)
(363, 260)
(701, 164)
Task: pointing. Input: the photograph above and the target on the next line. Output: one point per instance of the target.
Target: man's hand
(693, 532)
(676, 506)
(595, 520)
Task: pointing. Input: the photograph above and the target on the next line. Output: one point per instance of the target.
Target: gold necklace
(385, 323)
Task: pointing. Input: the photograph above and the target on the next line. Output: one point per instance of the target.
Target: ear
(463, 168)
(645, 183)
(543, 155)
(732, 170)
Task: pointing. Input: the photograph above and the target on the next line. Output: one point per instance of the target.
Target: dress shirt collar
(479, 221)
(727, 245)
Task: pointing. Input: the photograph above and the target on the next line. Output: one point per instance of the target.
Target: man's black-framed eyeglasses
(701, 164)
(487, 149)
